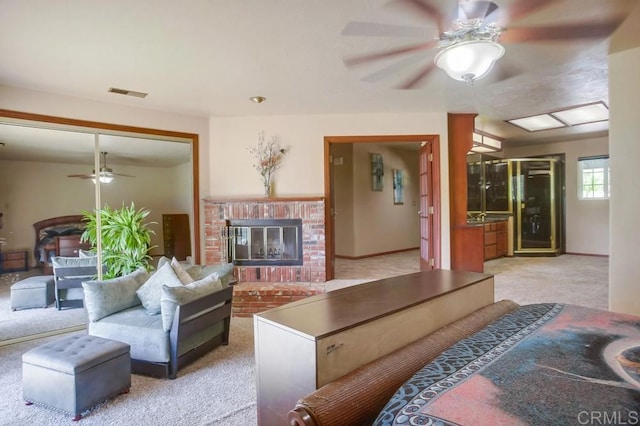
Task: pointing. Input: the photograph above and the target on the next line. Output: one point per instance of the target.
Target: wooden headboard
(74, 222)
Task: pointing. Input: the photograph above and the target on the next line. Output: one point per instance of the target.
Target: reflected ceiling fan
(106, 174)
(469, 38)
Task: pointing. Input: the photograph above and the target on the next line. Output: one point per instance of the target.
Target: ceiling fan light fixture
(103, 179)
(469, 60)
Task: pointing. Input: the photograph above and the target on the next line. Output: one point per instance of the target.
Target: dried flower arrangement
(269, 155)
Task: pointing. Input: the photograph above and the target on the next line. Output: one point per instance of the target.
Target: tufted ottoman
(75, 373)
(33, 292)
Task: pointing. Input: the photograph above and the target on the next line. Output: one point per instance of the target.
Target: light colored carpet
(217, 389)
(580, 280)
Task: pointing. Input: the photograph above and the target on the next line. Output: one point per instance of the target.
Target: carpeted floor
(580, 280)
(217, 389)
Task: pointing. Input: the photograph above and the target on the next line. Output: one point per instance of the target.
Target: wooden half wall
(467, 241)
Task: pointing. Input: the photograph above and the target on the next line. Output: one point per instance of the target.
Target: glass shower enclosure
(529, 189)
(538, 206)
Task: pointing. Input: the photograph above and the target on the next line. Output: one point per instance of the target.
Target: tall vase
(267, 189)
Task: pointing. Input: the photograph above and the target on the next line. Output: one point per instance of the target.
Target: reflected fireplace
(265, 242)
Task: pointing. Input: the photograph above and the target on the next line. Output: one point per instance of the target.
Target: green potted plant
(126, 238)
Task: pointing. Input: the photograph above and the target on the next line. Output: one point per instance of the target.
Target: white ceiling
(207, 57)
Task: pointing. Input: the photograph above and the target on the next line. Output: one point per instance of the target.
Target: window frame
(583, 166)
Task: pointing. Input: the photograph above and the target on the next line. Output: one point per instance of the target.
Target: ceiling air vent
(128, 92)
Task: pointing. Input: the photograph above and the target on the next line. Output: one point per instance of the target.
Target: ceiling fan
(105, 175)
(469, 39)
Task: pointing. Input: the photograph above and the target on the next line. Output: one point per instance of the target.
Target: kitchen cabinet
(496, 239)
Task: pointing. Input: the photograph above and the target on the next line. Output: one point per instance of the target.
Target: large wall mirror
(155, 169)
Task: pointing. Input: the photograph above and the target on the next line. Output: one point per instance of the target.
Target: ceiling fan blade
(426, 9)
(561, 32)
(372, 57)
(119, 175)
(503, 71)
(400, 65)
(374, 29)
(81, 176)
(522, 8)
(418, 78)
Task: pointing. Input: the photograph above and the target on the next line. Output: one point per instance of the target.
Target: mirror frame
(193, 137)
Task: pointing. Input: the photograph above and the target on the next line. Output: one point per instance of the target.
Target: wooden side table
(13, 261)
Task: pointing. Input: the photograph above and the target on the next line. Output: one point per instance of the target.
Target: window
(593, 178)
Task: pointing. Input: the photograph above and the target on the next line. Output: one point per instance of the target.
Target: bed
(57, 236)
(504, 364)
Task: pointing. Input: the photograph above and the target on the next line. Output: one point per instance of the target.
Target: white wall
(34, 191)
(624, 152)
(302, 172)
(587, 221)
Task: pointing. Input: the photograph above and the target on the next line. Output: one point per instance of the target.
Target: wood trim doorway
(431, 147)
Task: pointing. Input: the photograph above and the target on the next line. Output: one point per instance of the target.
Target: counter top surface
(320, 315)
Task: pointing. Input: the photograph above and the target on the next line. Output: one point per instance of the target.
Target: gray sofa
(68, 274)
(169, 318)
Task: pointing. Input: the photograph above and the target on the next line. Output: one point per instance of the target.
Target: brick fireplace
(263, 286)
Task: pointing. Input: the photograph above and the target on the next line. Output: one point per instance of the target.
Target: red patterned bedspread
(543, 364)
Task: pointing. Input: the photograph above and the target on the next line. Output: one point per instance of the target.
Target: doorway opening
(427, 205)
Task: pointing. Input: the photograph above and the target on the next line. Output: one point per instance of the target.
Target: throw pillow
(180, 272)
(149, 293)
(224, 271)
(174, 296)
(162, 261)
(102, 298)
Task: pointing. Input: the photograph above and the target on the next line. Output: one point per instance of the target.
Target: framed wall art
(377, 172)
(398, 186)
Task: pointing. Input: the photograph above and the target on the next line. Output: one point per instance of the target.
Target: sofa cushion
(73, 262)
(144, 333)
(149, 293)
(174, 296)
(103, 298)
(224, 271)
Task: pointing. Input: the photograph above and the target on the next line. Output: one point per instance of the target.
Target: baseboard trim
(42, 335)
(587, 254)
(375, 254)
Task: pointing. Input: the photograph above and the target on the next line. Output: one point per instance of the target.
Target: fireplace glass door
(266, 242)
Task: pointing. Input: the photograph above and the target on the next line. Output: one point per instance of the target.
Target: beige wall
(302, 172)
(380, 225)
(375, 224)
(587, 221)
(34, 191)
(624, 151)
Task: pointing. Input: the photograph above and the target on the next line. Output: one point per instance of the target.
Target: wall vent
(127, 92)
